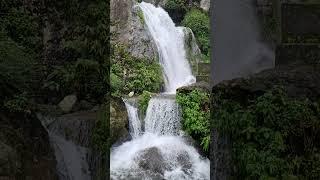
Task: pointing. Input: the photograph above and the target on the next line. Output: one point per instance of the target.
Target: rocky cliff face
(128, 28)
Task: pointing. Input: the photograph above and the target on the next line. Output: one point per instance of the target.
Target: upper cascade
(171, 47)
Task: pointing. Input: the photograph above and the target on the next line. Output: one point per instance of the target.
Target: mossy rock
(118, 120)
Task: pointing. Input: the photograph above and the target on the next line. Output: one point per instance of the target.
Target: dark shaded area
(25, 149)
(239, 49)
(299, 83)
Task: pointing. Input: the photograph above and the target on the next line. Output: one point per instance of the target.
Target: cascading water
(163, 116)
(160, 152)
(134, 122)
(170, 43)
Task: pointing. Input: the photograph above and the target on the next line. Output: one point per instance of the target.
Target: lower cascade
(158, 149)
(160, 152)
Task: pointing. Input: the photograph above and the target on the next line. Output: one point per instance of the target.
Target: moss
(136, 74)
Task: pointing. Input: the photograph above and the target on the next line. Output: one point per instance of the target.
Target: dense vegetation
(199, 22)
(273, 136)
(29, 75)
(196, 115)
(129, 73)
(49, 49)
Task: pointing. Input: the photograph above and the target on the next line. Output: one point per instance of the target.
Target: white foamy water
(134, 121)
(160, 152)
(170, 43)
(125, 159)
(163, 116)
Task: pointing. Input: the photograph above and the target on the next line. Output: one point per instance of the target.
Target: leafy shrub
(136, 74)
(19, 103)
(22, 27)
(144, 101)
(19, 70)
(199, 22)
(195, 113)
(273, 136)
(176, 4)
(100, 137)
(83, 77)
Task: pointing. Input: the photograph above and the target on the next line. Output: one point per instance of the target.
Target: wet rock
(67, 103)
(193, 51)
(184, 161)
(76, 127)
(151, 159)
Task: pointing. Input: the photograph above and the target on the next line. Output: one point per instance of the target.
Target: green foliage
(144, 101)
(176, 4)
(22, 27)
(100, 137)
(19, 72)
(272, 136)
(19, 103)
(133, 74)
(83, 77)
(199, 22)
(195, 113)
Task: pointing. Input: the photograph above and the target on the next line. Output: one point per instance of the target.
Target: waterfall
(170, 43)
(163, 116)
(134, 121)
(160, 152)
(72, 162)
(71, 159)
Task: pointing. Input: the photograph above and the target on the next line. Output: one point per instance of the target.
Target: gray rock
(184, 161)
(67, 103)
(205, 5)
(128, 28)
(193, 51)
(152, 160)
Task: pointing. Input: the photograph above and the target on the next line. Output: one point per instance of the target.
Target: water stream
(160, 151)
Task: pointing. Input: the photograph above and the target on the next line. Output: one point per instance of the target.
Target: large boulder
(67, 103)
(301, 81)
(151, 159)
(119, 123)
